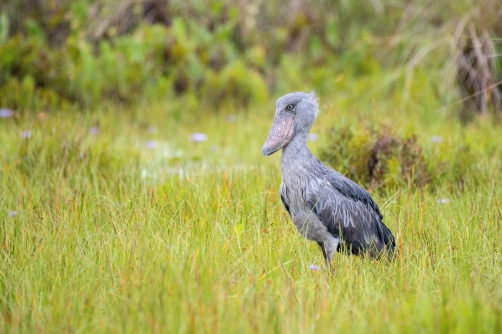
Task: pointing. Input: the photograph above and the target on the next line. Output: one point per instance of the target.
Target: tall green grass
(100, 233)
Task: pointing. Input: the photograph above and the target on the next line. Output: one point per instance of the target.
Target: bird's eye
(290, 107)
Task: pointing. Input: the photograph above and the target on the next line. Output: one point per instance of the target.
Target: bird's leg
(321, 244)
(326, 258)
(328, 247)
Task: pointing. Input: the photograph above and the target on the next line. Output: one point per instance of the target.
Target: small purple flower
(6, 113)
(437, 139)
(26, 134)
(151, 129)
(444, 201)
(13, 213)
(231, 118)
(313, 136)
(94, 131)
(151, 144)
(314, 267)
(199, 137)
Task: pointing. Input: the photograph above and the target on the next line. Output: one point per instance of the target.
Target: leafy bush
(57, 53)
(378, 158)
(182, 58)
(86, 52)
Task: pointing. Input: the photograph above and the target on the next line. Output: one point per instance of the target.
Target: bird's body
(325, 206)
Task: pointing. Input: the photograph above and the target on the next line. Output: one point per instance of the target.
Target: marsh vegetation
(133, 193)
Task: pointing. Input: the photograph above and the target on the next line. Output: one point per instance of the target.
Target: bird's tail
(388, 239)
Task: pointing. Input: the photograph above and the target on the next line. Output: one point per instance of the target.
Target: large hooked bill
(280, 134)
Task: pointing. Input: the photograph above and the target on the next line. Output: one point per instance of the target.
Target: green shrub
(236, 83)
(86, 52)
(184, 58)
(378, 158)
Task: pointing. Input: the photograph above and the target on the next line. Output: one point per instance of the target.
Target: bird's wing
(352, 190)
(286, 205)
(349, 212)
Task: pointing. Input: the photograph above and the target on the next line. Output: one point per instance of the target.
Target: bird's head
(294, 114)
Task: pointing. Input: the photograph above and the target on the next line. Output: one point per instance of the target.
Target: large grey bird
(325, 206)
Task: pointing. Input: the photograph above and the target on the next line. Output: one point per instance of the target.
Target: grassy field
(117, 221)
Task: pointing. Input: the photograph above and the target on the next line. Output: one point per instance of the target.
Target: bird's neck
(296, 151)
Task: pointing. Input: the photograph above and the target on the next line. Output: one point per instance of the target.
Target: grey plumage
(325, 206)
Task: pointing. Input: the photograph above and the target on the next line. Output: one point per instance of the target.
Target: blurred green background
(57, 53)
(134, 196)
(416, 59)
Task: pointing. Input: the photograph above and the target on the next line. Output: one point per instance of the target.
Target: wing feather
(349, 212)
(286, 205)
(352, 190)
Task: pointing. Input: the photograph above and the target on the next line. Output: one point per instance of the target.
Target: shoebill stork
(325, 206)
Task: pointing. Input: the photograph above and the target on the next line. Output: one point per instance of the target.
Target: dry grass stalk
(477, 72)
